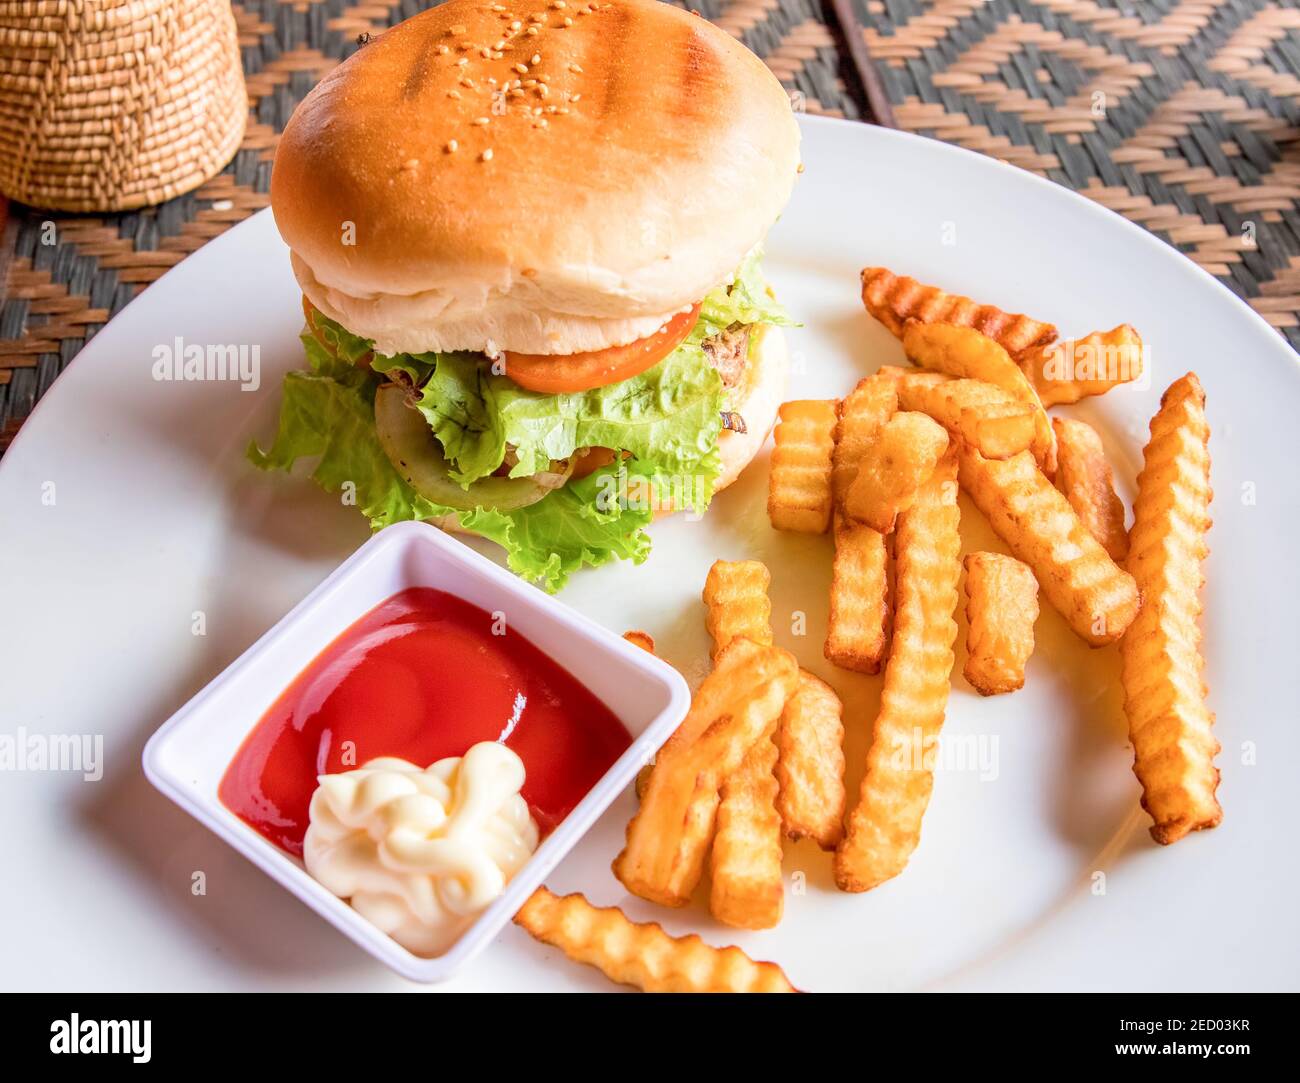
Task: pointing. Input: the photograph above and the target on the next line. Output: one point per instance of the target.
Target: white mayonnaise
(420, 852)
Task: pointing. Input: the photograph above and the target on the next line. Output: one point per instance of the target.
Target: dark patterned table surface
(1179, 114)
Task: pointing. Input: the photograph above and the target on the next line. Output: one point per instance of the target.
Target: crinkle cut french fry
(857, 633)
(857, 628)
(747, 890)
(1001, 608)
(885, 824)
(799, 486)
(810, 768)
(1164, 688)
(735, 593)
(643, 955)
(984, 415)
(1096, 597)
(746, 858)
(862, 413)
(894, 468)
(967, 354)
(1067, 371)
(894, 299)
(737, 705)
(1084, 476)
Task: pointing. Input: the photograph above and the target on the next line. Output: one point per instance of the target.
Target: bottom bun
(769, 361)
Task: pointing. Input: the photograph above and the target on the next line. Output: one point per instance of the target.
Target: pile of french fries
(759, 758)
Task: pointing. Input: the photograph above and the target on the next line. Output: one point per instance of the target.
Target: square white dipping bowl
(189, 754)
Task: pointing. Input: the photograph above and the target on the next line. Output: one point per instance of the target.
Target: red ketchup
(422, 677)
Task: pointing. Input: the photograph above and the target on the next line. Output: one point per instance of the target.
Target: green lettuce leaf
(416, 368)
(548, 541)
(328, 414)
(666, 418)
(346, 346)
(456, 402)
(746, 299)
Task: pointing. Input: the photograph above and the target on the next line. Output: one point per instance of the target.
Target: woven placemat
(1180, 115)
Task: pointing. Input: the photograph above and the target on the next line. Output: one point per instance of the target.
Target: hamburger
(528, 236)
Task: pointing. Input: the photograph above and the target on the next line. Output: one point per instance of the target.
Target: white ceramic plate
(128, 510)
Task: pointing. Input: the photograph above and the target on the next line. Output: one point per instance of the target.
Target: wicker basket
(106, 105)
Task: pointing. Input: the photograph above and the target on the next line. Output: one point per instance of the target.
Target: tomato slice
(555, 374)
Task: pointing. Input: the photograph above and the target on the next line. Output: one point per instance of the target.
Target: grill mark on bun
(696, 61)
(615, 85)
(420, 70)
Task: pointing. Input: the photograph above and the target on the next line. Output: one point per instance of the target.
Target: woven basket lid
(107, 105)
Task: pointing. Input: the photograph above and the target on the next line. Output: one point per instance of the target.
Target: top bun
(464, 183)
